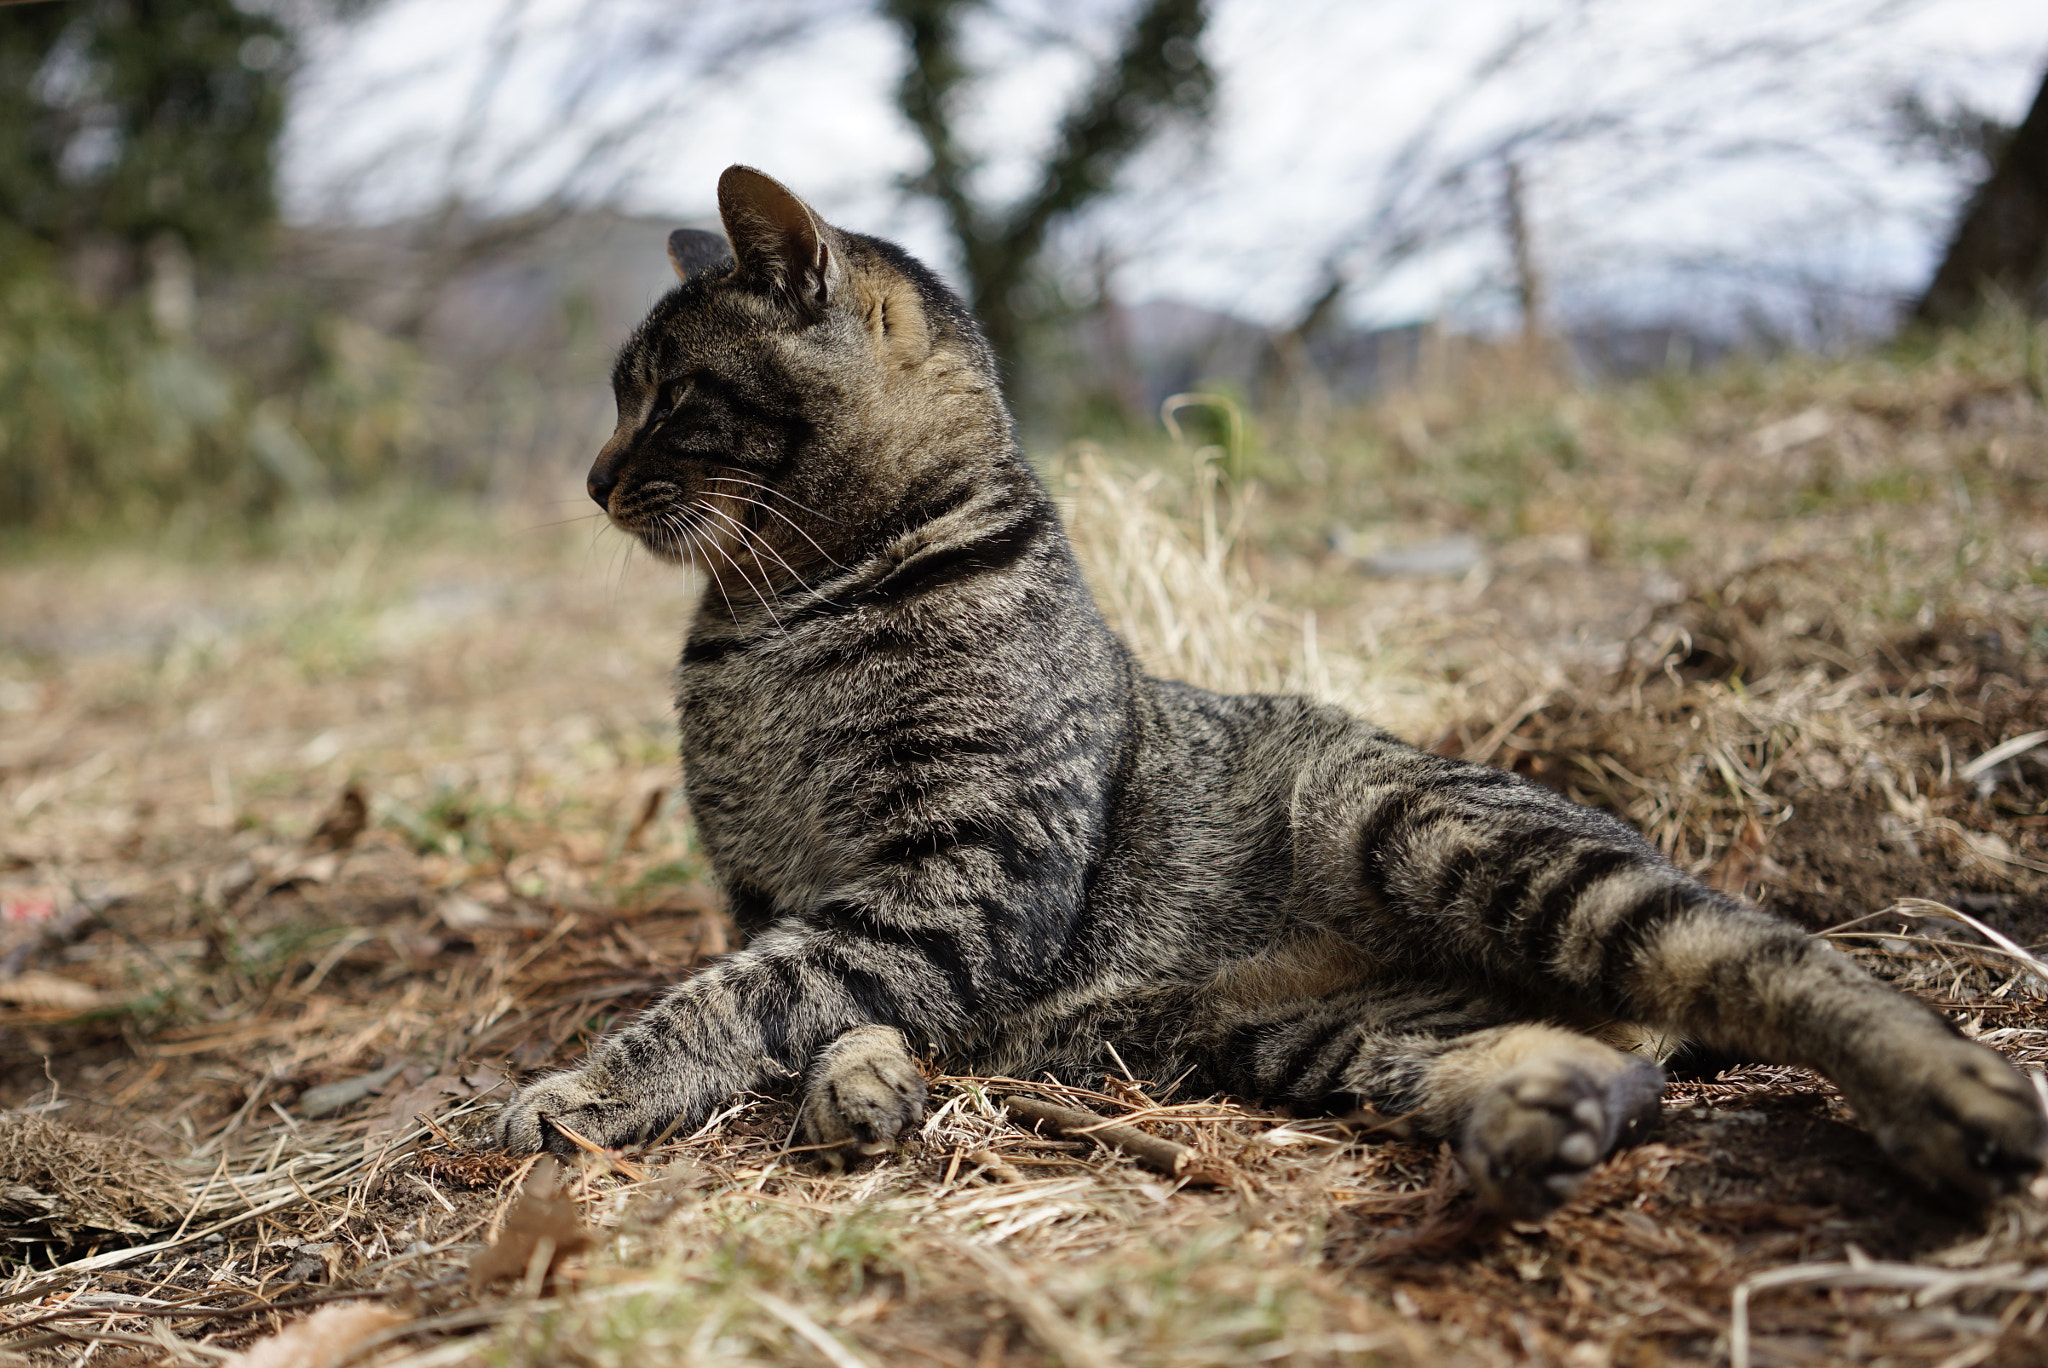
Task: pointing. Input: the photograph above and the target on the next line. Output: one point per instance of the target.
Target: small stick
(625, 1167)
(1166, 1156)
(996, 1164)
(250, 1308)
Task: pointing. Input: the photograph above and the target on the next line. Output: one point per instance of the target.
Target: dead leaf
(540, 1230)
(407, 1103)
(342, 824)
(321, 1340)
(36, 988)
(459, 912)
(482, 1078)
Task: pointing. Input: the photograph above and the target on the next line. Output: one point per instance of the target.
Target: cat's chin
(668, 553)
(657, 541)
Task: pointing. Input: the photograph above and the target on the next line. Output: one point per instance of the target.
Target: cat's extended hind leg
(1950, 1112)
(1455, 867)
(1531, 1107)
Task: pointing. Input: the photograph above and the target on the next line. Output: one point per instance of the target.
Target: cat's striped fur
(956, 819)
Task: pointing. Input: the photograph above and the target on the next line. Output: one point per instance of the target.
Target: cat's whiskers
(770, 508)
(621, 565)
(751, 538)
(770, 489)
(698, 552)
(668, 547)
(679, 539)
(712, 543)
(748, 580)
(748, 538)
(563, 522)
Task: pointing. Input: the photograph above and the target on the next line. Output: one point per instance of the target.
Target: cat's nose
(604, 471)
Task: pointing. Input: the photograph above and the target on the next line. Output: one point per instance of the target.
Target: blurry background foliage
(173, 357)
(128, 122)
(138, 146)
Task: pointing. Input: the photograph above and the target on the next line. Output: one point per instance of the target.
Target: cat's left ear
(692, 251)
(780, 244)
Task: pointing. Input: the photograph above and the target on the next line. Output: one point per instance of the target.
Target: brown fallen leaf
(540, 1230)
(405, 1103)
(483, 1078)
(343, 822)
(321, 1340)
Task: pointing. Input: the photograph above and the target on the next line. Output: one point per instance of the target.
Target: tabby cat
(956, 820)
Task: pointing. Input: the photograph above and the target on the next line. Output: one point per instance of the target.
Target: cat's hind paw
(1535, 1134)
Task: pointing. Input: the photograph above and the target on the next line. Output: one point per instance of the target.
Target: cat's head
(799, 383)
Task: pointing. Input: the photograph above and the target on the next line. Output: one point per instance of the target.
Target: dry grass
(306, 857)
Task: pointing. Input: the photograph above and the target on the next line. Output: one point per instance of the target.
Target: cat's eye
(667, 401)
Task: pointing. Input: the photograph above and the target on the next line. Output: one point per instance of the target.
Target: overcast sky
(1678, 155)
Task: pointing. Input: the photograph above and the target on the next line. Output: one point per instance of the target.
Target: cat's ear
(692, 251)
(781, 245)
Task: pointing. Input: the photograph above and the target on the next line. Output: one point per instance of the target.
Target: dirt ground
(307, 856)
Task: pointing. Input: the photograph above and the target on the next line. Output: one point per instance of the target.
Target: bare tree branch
(1157, 77)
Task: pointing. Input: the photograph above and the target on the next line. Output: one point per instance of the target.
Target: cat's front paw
(863, 1093)
(1956, 1116)
(578, 1099)
(1538, 1130)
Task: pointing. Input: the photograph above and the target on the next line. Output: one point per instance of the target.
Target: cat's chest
(771, 769)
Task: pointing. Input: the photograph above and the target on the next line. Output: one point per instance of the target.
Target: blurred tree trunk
(1158, 76)
(1287, 371)
(1125, 383)
(1529, 291)
(142, 131)
(2002, 243)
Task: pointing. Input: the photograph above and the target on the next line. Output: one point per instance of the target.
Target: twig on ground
(1166, 1156)
(626, 1168)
